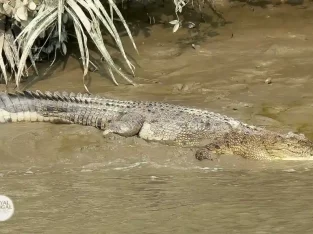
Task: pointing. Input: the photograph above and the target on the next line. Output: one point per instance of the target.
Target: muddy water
(68, 179)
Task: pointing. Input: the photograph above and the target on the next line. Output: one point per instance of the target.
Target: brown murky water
(68, 179)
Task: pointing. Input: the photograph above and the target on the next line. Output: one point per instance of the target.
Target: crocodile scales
(210, 133)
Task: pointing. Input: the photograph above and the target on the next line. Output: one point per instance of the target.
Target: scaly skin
(212, 133)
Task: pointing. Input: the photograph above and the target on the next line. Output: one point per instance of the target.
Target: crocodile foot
(207, 152)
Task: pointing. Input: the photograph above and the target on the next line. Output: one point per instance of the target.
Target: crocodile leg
(128, 125)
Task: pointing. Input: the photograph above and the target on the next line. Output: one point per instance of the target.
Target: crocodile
(210, 134)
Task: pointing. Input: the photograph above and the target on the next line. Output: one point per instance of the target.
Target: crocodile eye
(217, 146)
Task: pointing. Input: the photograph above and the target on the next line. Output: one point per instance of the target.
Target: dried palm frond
(2, 37)
(36, 17)
(10, 51)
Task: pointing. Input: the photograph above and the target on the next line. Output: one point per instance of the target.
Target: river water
(68, 179)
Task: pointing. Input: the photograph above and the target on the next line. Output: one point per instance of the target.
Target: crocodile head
(290, 147)
(263, 145)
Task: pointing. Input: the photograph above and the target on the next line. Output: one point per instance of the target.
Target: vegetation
(25, 22)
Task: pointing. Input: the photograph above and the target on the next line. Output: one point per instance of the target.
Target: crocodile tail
(33, 106)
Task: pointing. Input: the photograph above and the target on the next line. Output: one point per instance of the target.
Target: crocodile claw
(204, 153)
